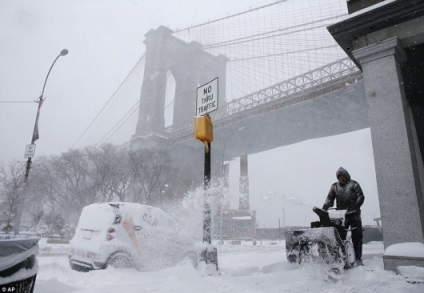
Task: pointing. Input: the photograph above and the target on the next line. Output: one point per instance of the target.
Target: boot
(359, 262)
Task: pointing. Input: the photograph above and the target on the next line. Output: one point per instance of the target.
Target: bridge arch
(169, 99)
(190, 65)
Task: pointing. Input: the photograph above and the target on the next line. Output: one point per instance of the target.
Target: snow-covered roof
(408, 249)
(368, 9)
(242, 218)
(99, 216)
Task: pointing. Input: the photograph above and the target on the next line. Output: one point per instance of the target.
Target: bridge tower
(244, 184)
(190, 66)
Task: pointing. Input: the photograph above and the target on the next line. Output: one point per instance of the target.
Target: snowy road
(243, 268)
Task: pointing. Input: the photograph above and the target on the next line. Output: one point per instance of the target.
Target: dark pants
(355, 223)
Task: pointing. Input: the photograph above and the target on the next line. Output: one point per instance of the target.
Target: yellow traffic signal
(203, 128)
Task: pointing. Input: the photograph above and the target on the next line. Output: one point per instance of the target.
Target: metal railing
(311, 79)
(322, 80)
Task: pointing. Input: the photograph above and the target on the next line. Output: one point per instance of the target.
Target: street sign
(207, 98)
(29, 151)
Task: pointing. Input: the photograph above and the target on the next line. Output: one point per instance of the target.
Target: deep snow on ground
(242, 268)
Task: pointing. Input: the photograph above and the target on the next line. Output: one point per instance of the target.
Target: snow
(337, 214)
(408, 249)
(413, 273)
(242, 218)
(368, 9)
(22, 274)
(15, 258)
(242, 268)
(15, 249)
(96, 217)
(46, 249)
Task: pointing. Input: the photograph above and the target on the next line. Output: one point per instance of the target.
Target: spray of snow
(189, 212)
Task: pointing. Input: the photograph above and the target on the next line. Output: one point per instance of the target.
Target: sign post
(29, 151)
(207, 98)
(206, 102)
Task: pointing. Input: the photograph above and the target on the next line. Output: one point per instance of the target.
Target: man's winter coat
(348, 196)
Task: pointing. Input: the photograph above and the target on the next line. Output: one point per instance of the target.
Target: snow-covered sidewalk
(243, 268)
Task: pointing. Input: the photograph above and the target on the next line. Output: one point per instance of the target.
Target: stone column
(226, 185)
(185, 93)
(392, 133)
(244, 184)
(152, 100)
(151, 118)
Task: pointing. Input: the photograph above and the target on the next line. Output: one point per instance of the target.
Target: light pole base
(209, 259)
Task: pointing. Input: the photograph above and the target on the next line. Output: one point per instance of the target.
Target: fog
(105, 41)
(299, 177)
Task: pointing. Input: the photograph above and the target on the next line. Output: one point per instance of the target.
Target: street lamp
(41, 99)
(35, 136)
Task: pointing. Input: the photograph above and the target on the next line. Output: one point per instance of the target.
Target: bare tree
(45, 190)
(147, 170)
(112, 172)
(76, 178)
(154, 178)
(64, 184)
(11, 189)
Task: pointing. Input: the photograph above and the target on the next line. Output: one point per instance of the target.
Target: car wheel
(189, 258)
(120, 260)
(78, 268)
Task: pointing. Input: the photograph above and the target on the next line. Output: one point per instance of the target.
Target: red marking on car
(129, 227)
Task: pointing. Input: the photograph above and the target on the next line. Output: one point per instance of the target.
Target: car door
(145, 230)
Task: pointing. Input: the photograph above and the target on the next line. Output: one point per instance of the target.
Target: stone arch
(169, 99)
(189, 64)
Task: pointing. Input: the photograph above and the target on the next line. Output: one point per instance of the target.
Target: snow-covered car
(127, 235)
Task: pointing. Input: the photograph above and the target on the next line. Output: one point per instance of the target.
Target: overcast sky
(105, 40)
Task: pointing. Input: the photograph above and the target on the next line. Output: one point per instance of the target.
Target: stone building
(386, 41)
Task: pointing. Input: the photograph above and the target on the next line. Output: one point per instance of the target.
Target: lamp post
(35, 136)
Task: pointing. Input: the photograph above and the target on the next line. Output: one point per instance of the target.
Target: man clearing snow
(349, 196)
